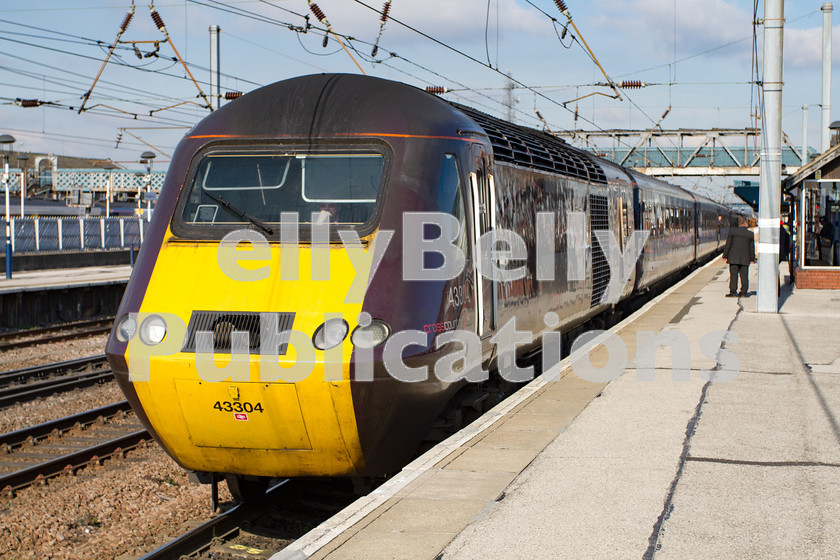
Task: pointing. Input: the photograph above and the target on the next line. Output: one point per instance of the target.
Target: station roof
(826, 164)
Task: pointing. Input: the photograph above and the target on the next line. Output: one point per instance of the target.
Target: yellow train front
(250, 337)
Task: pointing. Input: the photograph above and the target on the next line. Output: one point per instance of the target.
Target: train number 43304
(237, 406)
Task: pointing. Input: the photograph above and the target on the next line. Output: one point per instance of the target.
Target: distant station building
(75, 186)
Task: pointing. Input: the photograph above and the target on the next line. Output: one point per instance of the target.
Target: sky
(695, 56)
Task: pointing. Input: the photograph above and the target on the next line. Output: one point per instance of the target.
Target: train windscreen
(229, 189)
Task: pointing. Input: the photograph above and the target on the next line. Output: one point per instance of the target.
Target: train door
(482, 191)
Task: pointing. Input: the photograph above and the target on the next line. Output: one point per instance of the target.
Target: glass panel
(450, 199)
(822, 224)
(342, 185)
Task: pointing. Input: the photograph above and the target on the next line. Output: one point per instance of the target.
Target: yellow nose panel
(254, 427)
(264, 416)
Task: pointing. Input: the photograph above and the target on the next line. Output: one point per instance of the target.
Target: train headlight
(372, 335)
(126, 328)
(330, 334)
(153, 330)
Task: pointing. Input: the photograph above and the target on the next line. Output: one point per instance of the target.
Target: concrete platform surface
(38, 280)
(736, 455)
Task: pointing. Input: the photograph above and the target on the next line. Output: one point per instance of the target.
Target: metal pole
(108, 188)
(769, 195)
(22, 191)
(8, 224)
(214, 67)
(148, 190)
(825, 133)
(804, 155)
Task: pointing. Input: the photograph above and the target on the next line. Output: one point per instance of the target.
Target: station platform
(65, 278)
(741, 459)
(47, 297)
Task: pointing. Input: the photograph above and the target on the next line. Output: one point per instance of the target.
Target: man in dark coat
(739, 252)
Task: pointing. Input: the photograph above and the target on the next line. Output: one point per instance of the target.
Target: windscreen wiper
(241, 213)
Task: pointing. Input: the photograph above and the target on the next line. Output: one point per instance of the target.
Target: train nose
(242, 415)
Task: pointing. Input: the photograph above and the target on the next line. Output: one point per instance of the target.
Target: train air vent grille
(599, 219)
(532, 148)
(224, 323)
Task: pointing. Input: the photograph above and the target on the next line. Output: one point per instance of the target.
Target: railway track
(57, 333)
(22, 385)
(289, 509)
(46, 450)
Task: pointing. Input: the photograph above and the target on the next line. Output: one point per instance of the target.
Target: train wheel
(247, 489)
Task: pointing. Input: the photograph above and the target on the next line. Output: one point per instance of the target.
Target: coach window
(450, 199)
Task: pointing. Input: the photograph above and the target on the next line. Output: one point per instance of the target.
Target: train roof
(329, 105)
(521, 145)
(322, 105)
(653, 184)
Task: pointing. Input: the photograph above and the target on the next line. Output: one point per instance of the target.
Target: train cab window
(229, 188)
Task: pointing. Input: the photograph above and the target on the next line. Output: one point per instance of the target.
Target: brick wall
(817, 279)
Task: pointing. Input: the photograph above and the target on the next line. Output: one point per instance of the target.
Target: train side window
(450, 197)
(623, 226)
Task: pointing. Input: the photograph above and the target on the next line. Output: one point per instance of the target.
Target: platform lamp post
(22, 159)
(147, 157)
(7, 140)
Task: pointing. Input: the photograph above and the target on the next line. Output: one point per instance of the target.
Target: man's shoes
(731, 294)
(743, 294)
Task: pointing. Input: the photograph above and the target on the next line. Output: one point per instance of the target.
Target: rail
(223, 526)
(56, 333)
(54, 465)
(35, 382)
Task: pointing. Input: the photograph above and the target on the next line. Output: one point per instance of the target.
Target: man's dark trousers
(739, 252)
(741, 271)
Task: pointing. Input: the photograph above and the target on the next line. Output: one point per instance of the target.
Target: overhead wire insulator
(158, 20)
(385, 10)
(632, 84)
(561, 6)
(127, 19)
(323, 18)
(230, 95)
(436, 90)
(317, 11)
(29, 102)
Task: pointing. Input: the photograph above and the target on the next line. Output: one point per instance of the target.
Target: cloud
(462, 21)
(803, 47)
(695, 25)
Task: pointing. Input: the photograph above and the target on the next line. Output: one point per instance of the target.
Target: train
(318, 227)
